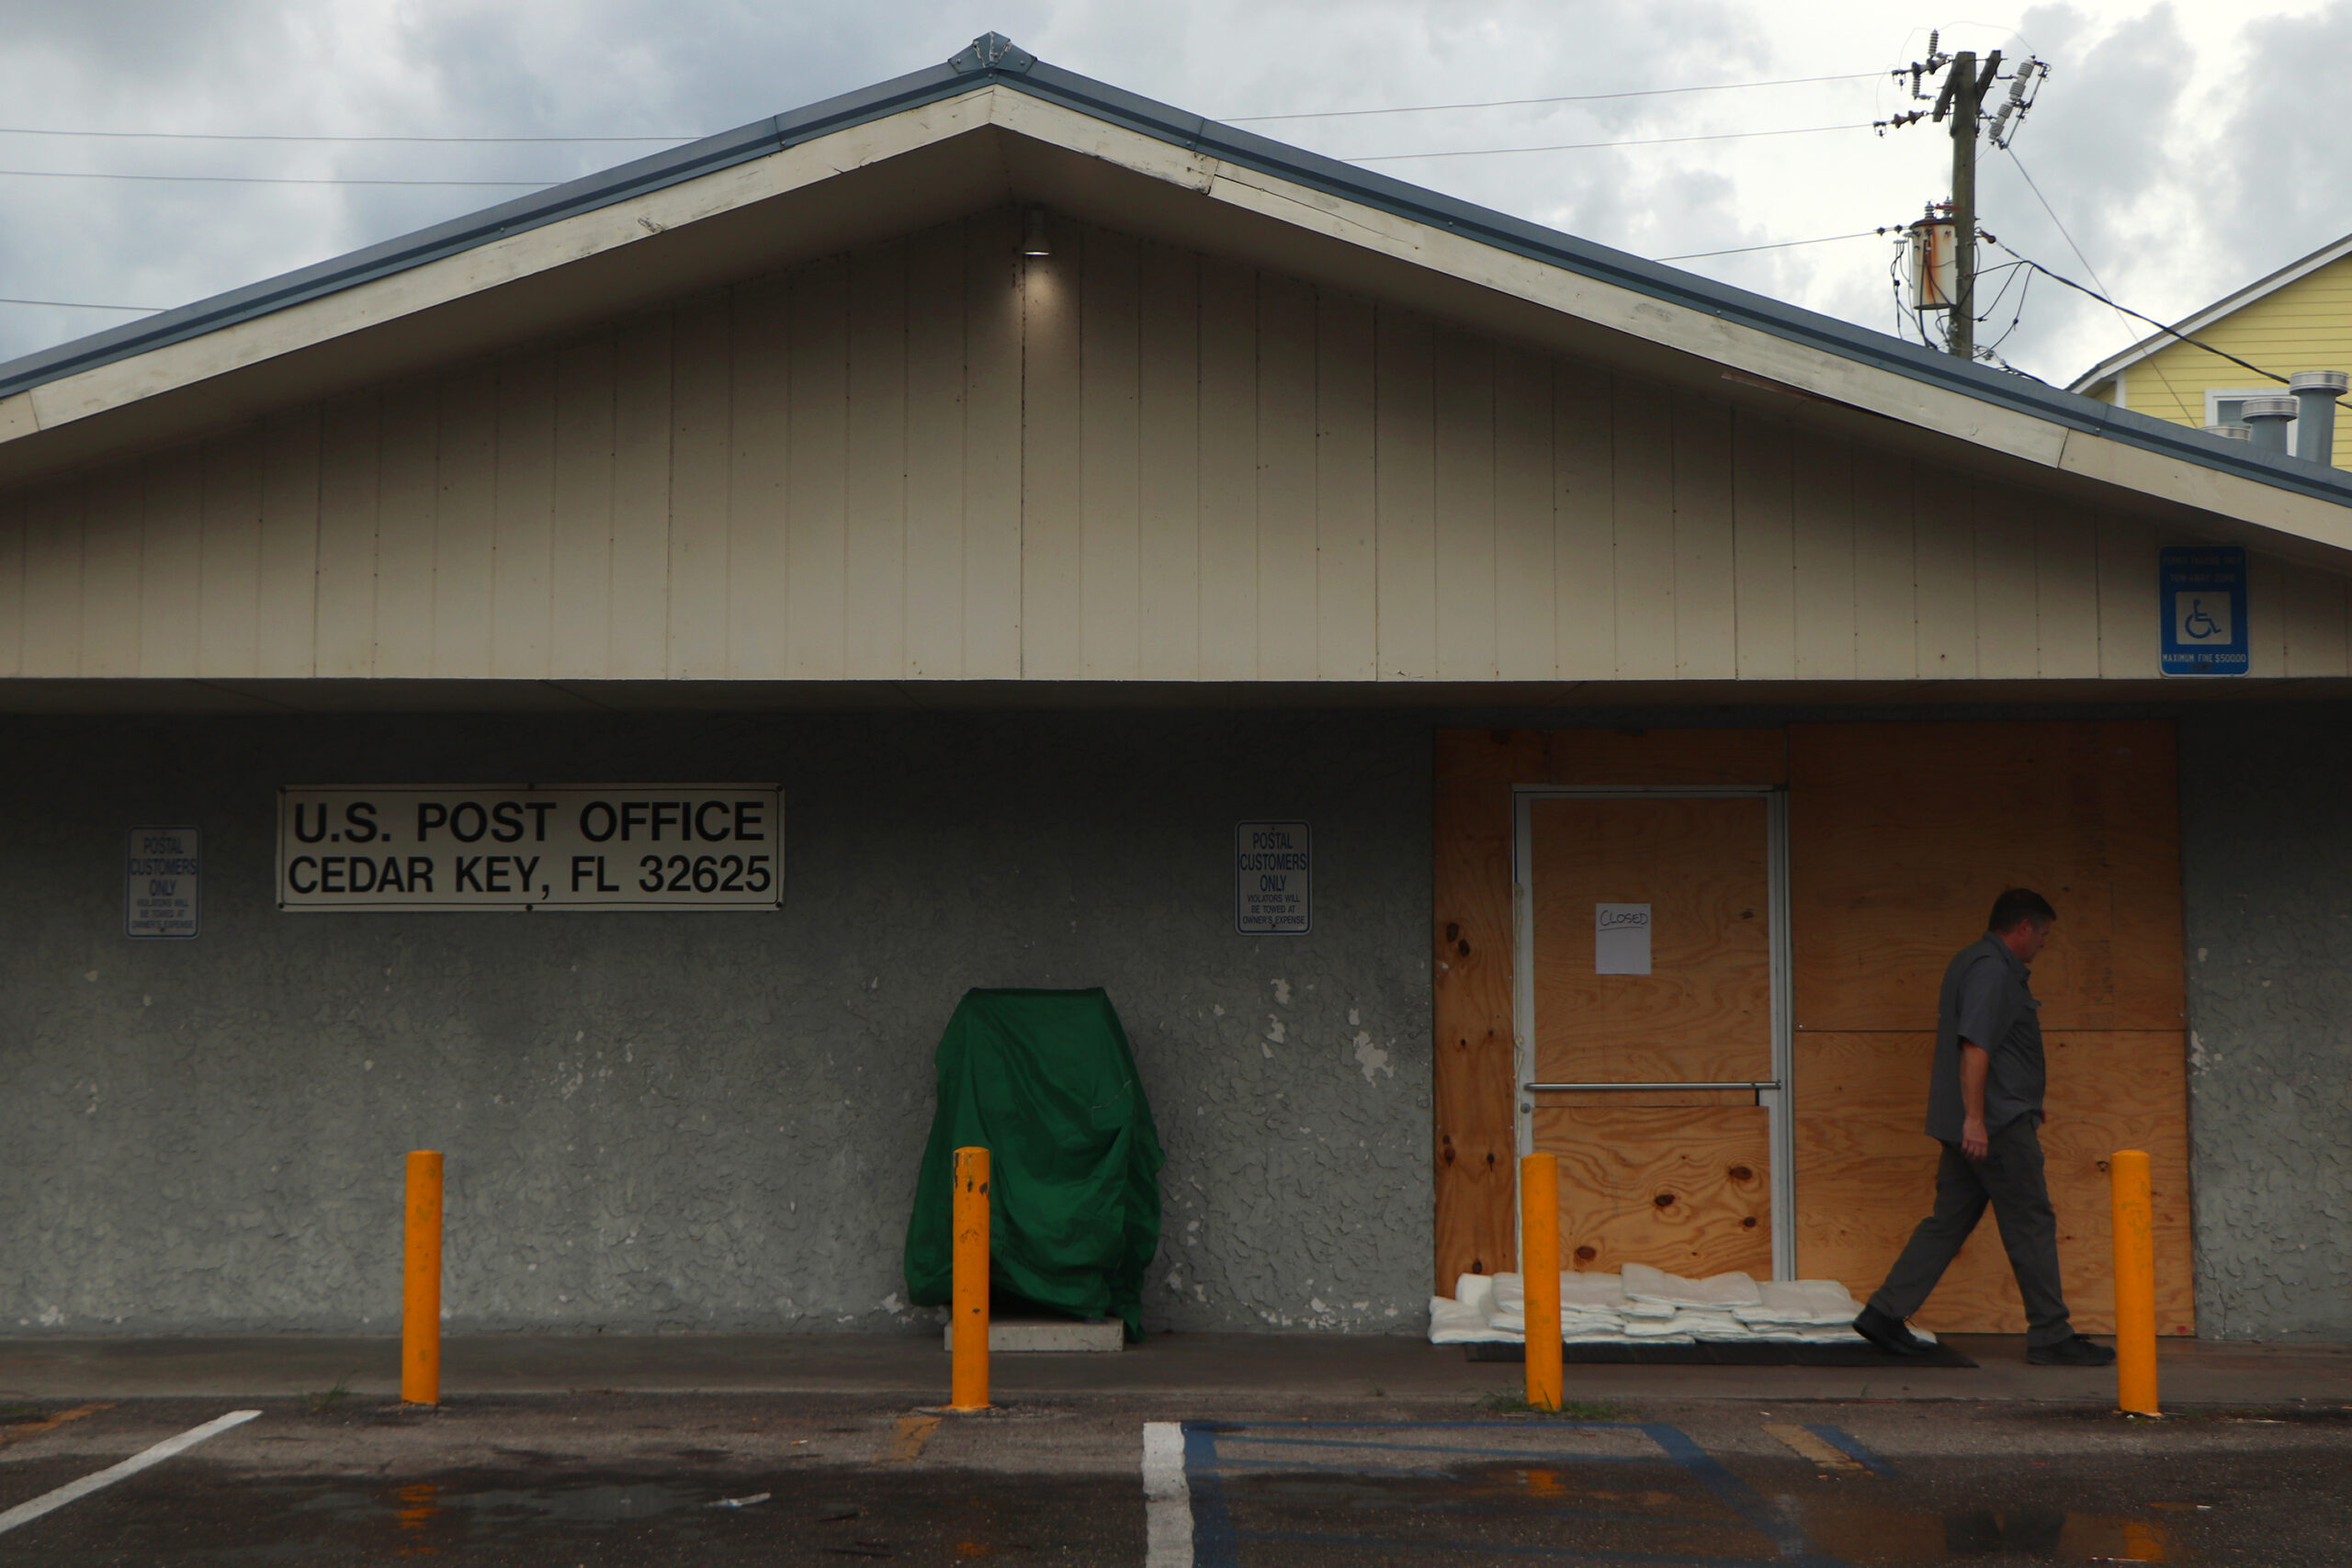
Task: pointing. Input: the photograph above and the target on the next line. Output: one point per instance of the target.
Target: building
(2298, 318)
(1048, 491)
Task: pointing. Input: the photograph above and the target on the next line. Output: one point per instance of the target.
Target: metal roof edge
(994, 59)
(2293, 272)
(1673, 286)
(654, 172)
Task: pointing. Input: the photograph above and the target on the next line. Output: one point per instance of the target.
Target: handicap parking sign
(2201, 591)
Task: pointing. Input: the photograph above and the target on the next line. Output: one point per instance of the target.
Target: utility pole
(1964, 97)
(1962, 102)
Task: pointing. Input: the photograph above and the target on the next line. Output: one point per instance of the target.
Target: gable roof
(2293, 272)
(254, 347)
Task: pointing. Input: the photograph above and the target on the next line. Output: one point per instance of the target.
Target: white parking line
(26, 1513)
(1167, 1497)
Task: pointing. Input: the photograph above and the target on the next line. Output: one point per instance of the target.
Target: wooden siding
(2306, 325)
(932, 461)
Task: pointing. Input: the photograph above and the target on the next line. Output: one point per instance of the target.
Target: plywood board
(1109, 458)
(1652, 758)
(639, 642)
(229, 599)
(1346, 581)
(935, 454)
(1642, 504)
(816, 479)
(1901, 834)
(1228, 413)
(1169, 463)
(701, 409)
(1682, 1190)
(1865, 1171)
(52, 582)
(110, 540)
(1524, 569)
(520, 633)
(290, 546)
(1763, 499)
(167, 565)
(1405, 480)
(1886, 605)
(759, 480)
(12, 585)
(1464, 466)
(1472, 1131)
(874, 552)
(1704, 1012)
(1285, 630)
(1822, 503)
(580, 532)
(1584, 519)
(405, 500)
(465, 541)
(992, 446)
(1706, 611)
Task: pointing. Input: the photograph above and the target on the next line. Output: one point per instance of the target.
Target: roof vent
(2231, 432)
(2269, 417)
(2317, 391)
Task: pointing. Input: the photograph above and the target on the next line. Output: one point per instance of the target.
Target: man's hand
(1974, 1066)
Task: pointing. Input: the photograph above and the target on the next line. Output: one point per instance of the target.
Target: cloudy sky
(2180, 146)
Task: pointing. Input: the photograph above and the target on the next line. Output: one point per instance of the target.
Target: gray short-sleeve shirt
(1987, 1000)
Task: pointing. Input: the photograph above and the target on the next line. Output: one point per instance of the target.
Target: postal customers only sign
(521, 847)
(1273, 879)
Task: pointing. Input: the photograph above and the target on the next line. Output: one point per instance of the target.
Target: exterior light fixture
(1033, 234)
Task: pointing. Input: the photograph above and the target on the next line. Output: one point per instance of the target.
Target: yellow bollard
(2135, 1282)
(421, 1290)
(1539, 1272)
(969, 1373)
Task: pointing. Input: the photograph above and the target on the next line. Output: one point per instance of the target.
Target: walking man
(1984, 1107)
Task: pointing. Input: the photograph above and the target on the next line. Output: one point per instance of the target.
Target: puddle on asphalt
(1860, 1532)
(1636, 1515)
(417, 1510)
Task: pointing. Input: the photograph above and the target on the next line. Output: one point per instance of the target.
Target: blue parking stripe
(1442, 1449)
(1213, 1545)
(1491, 1548)
(1216, 1542)
(1852, 1447)
(1739, 1497)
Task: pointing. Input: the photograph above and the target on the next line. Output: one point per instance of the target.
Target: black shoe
(2073, 1352)
(1890, 1333)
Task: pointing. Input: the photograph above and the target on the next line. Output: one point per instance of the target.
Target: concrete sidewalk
(1309, 1369)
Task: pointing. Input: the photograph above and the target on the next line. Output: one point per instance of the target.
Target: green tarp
(1044, 1082)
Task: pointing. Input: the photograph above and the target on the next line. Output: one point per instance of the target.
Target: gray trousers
(2009, 1179)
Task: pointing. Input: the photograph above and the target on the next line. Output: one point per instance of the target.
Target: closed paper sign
(1620, 939)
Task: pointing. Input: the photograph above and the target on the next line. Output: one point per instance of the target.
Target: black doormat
(1722, 1353)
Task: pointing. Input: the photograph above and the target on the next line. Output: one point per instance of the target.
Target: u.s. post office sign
(521, 847)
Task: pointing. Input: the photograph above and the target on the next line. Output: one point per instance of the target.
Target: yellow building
(2298, 318)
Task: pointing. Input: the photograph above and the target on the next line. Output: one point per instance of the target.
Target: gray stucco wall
(713, 1120)
(703, 1121)
(2267, 860)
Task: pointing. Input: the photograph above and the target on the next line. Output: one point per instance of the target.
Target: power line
(1587, 146)
(258, 179)
(2126, 309)
(1523, 103)
(228, 136)
(82, 305)
(1778, 245)
(2064, 233)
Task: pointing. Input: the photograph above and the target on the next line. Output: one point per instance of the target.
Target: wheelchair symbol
(2198, 624)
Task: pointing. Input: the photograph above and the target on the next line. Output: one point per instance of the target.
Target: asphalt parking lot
(631, 1479)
